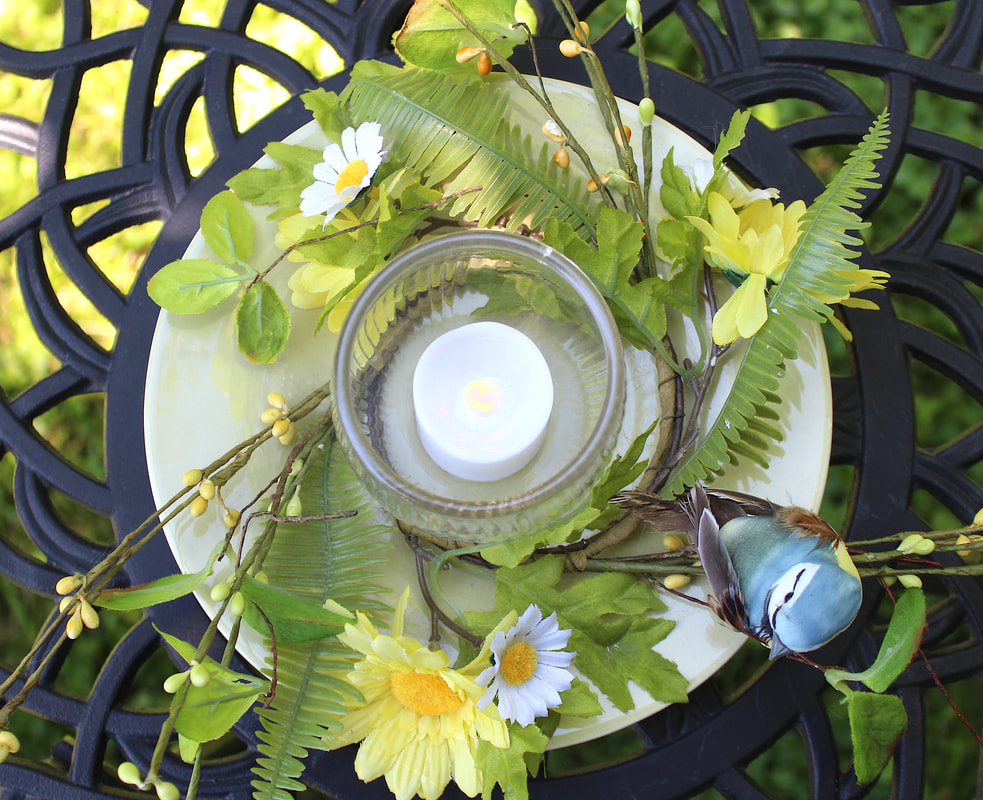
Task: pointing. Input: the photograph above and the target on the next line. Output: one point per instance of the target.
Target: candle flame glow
(482, 395)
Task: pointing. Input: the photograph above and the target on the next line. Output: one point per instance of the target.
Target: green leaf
(455, 130)
(432, 35)
(506, 766)
(262, 324)
(344, 560)
(677, 193)
(162, 590)
(817, 267)
(610, 266)
(877, 723)
(210, 711)
(612, 628)
(395, 226)
(228, 228)
(732, 137)
(900, 644)
(579, 701)
(293, 619)
(188, 748)
(193, 285)
(621, 472)
(330, 115)
(278, 186)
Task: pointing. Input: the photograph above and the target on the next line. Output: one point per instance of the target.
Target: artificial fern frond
(341, 560)
(454, 133)
(819, 272)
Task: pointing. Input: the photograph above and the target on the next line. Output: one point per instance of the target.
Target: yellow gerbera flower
(420, 723)
(755, 242)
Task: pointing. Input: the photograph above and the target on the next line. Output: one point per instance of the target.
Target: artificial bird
(779, 574)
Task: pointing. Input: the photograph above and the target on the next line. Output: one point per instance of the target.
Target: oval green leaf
(262, 324)
(228, 228)
(431, 35)
(162, 590)
(293, 619)
(192, 285)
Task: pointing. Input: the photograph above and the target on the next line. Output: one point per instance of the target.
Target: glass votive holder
(529, 470)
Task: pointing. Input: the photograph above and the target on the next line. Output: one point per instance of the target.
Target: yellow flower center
(351, 175)
(518, 663)
(424, 692)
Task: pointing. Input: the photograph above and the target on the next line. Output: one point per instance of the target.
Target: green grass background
(75, 428)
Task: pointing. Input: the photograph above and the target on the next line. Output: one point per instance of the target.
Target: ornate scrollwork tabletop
(927, 335)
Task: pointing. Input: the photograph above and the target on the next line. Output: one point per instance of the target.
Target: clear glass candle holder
(439, 286)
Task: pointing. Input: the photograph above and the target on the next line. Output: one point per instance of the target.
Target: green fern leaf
(454, 133)
(819, 270)
(341, 560)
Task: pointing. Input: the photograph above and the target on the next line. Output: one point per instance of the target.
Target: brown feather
(807, 524)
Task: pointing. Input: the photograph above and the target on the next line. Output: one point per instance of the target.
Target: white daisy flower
(346, 170)
(529, 672)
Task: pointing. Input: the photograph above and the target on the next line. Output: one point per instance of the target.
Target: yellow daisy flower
(420, 723)
(755, 242)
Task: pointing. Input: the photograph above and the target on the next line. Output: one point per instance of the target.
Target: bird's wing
(664, 515)
(723, 502)
(716, 561)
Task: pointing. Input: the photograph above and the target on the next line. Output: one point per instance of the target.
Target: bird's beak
(778, 649)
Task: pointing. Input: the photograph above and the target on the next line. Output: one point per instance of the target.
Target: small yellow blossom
(420, 724)
(755, 242)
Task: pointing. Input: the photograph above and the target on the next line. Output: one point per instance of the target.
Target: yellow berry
(74, 626)
(924, 547)
(280, 428)
(978, 519)
(552, 131)
(167, 791)
(484, 63)
(198, 507)
(10, 741)
(219, 592)
(191, 477)
(68, 584)
(562, 158)
(294, 507)
(673, 542)
(465, 54)
(230, 517)
(910, 581)
(175, 682)
(592, 185)
(271, 415)
(200, 676)
(624, 135)
(206, 489)
(237, 604)
(276, 400)
(90, 618)
(288, 437)
(66, 604)
(570, 48)
(908, 543)
(129, 772)
(584, 33)
(676, 581)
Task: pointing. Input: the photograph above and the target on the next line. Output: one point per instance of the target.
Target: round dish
(203, 397)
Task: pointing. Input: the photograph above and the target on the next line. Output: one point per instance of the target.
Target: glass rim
(447, 246)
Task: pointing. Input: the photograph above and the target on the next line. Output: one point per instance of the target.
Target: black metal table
(709, 741)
